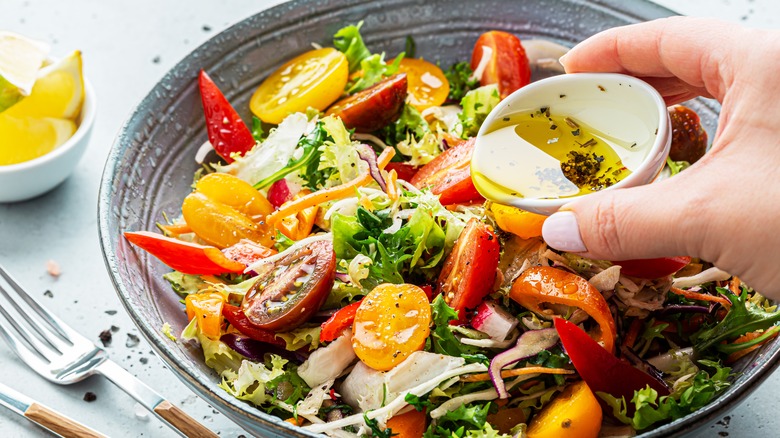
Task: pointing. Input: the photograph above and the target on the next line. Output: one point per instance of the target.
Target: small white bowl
(29, 179)
(618, 105)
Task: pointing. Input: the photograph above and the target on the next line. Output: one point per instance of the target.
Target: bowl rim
(86, 120)
(222, 400)
(660, 146)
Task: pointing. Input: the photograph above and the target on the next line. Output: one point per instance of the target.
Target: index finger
(691, 49)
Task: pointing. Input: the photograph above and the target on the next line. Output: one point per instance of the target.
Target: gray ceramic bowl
(150, 167)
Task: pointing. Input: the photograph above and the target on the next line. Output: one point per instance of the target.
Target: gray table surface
(127, 47)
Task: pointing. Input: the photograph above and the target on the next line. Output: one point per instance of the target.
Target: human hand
(726, 207)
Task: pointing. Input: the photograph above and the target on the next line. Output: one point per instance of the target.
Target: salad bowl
(150, 166)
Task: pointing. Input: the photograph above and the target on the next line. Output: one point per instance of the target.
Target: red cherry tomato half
(290, 290)
(470, 270)
(449, 175)
(507, 66)
(652, 268)
(374, 107)
(237, 319)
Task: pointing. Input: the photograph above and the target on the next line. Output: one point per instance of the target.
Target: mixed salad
(340, 271)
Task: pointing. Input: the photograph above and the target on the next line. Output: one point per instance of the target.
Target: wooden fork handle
(182, 421)
(58, 423)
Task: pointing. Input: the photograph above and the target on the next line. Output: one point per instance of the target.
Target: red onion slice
(529, 344)
(367, 154)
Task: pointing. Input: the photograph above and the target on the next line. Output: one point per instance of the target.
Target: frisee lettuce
(301, 337)
(460, 423)
(415, 248)
(649, 408)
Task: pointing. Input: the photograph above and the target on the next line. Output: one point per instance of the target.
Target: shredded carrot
(337, 192)
(515, 372)
(295, 421)
(633, 333)
(701, 297)
(734, 285)
(747, 337)
(392, 188)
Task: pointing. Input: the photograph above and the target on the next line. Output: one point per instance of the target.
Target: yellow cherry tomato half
(519, 222)
(235, 192)
(390, 324)
(207, 307)
(575, 413)
(314, 79)
(427, 86)
(219, 224)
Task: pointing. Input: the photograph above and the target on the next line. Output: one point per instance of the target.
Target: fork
(63, 356)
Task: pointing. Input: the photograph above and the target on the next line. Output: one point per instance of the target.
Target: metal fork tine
(56, 324)
(24, 351)
(55, 345)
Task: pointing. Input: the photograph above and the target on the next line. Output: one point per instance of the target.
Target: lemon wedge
(20, 60)
(23, 139)
(58, 92)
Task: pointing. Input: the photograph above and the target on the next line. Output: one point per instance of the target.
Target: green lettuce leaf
(411, 124)
(301, 337)
(743, 317)
(185, 284)
(223, 359)
(676, 167)
(476, 105)
(459, 422)
(374, 69)
(442, 339)
(349, 41)
(649, 408)
(417, 247)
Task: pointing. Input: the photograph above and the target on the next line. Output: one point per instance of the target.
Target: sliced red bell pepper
(602, 371)
(237, 319)
(332, 328)
(185, 257)
(650, 269)
(227, 132)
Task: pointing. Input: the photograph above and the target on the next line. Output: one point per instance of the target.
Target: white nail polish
(561, 232)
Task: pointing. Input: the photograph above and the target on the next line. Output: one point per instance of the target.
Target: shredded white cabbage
(391, 408)
(712, 274)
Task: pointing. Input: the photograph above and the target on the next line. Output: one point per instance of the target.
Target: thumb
(656, 220)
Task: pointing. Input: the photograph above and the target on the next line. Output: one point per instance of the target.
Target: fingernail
(561, 232)
(562, 60)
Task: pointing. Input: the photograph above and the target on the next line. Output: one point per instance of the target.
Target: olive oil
(545, 155)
